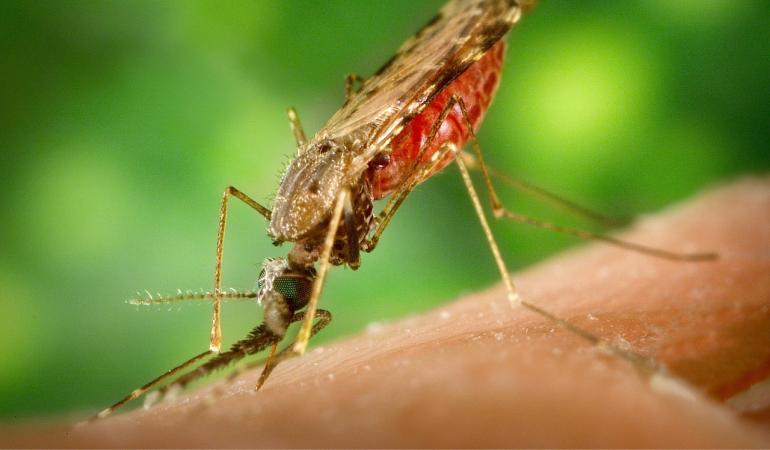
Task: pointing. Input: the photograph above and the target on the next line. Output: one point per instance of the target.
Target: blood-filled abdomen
(476, 87)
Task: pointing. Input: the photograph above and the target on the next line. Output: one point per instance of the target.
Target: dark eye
(296, 290)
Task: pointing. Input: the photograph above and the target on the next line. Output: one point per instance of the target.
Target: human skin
(478, 373)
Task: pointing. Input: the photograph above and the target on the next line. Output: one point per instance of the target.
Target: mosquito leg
(513, 296)
(269, 361)
(240, 369)
(351, 231)
(257, 340)
(412, 179)
(141, 390)
(500, 212)
(296, 129)
(304, 332)
(472, 163)
(216, 327)
(639, 361)
(323, 316)
(220, 361)
(643, 364)
(350, 80)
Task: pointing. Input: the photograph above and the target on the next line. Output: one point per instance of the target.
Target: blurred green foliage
(121, 122)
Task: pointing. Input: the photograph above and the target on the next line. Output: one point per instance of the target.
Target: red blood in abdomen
(476, 86)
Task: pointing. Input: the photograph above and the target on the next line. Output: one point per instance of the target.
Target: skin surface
(476, 373)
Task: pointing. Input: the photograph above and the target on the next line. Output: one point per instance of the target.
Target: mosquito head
(283, 290)
(306, 196)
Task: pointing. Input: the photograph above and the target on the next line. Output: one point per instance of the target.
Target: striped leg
(141, 390)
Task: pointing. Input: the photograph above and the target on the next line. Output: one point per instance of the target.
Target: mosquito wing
(444, 48)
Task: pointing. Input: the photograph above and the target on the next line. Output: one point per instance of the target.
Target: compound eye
(295, 289)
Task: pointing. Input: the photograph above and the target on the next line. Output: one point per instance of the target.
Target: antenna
(159, 299)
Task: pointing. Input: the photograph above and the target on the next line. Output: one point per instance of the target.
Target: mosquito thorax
(309, 187)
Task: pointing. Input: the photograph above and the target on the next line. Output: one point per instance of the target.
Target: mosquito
(395, 130)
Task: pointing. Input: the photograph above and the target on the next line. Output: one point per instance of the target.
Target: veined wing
(444, 48)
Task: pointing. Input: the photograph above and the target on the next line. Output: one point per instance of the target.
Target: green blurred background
(121, 122)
